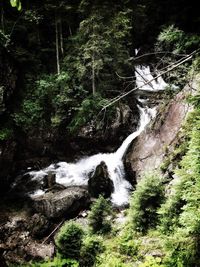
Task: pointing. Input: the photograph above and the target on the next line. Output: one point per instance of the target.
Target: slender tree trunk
(2, 19)
(93, 76)
(38, 35)
(57, 45)
(70, 31)
(61, 37)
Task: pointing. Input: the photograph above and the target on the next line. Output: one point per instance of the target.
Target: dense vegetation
(61, 63)
(70, 55)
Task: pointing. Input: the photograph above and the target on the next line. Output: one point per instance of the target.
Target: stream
(77, 174)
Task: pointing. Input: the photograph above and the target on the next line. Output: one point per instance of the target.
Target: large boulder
(64, 203)
(99, 182)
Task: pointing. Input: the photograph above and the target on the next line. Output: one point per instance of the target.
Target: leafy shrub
(87, 111)
(126, 244)
(176, 43)
(170, 211)
(30, 114)
(92, 246)
(176, 40)
(182, 251)
(46, 102)
(112, 260)
(145, 202)
(5, 134)
(151, 262)
(57, 262)
(69, 240)
(98, 216)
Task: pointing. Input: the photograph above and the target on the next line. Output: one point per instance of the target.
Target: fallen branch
(54, 230)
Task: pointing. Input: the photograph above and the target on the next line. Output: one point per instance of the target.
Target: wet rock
(37, 251)
(130, 174)
(39, 225)
(99, 182)
(49, 180)
(62, 203)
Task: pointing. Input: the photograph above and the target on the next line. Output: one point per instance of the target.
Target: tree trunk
(2, 19)
(61, 37)
(70, 31)
(57, 45)
(93, 76)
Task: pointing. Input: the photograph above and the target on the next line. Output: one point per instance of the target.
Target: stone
(39, 225)
(38, 251)
(49, 180)
(63, 203)
(99, 182)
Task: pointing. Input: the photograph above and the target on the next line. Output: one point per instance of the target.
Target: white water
(77, 173)
(143, 75)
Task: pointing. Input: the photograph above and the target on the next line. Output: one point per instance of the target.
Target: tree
(69, 240)
(145, 202)
(98, 216)
(103, 40)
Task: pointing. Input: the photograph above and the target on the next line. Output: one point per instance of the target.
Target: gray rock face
(148, 150)
(62, 203)
(100, 182)
(16, 238)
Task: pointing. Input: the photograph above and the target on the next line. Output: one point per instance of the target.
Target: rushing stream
(77, 173)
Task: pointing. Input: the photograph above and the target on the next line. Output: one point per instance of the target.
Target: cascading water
(77, 173)
(143, 75)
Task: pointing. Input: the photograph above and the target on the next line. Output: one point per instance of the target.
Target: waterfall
(143, 75)
(77, 173)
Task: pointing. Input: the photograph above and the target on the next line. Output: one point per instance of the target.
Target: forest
(99, 133)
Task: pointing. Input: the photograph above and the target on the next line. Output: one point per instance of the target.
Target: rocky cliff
(160, 138)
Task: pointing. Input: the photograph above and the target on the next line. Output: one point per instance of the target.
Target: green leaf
(16, 3)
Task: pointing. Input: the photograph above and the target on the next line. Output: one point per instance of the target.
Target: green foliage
(69, 240)
(57, 262)
(145, 202)
(30, 114)
(151, 262)
(170, 210)
(92, 246)
(47, 102)
(87, 113)
(100, 48)
(181, 251)
(100, 216)
(5, 134)
(16, 3)
(176, 40)
(112, 260)
(176, 43)
(127, 245)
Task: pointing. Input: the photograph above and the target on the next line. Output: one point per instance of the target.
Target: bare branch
(169, 68)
